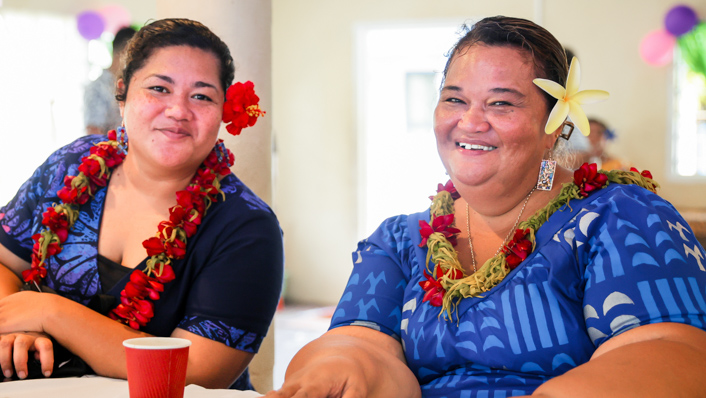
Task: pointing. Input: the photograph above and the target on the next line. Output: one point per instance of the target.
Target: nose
(474, 120)
(178, 108)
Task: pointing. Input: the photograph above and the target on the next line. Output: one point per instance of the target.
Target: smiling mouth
(475, 147)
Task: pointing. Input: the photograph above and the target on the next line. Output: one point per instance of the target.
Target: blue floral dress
(621, 258)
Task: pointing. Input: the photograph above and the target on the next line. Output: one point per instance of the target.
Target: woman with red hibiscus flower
(151, 236)
(523, 277)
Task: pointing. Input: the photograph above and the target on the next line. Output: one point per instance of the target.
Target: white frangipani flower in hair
(570, 100)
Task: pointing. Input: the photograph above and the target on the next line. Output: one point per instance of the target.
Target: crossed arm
(27, 319)
(664, 359)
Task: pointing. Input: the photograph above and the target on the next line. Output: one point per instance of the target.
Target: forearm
(95, 338)
(385, 371)
(658, 368)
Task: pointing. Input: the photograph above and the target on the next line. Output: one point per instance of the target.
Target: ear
(120, 88)
(550, 139)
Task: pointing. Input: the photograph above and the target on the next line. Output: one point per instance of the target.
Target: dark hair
(122, 37)
(174, 32)
(545, 50)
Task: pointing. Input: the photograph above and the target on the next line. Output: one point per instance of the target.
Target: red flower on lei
(644, 173)
(241, 108)
(441, 224)
(448, 187)
(434, 291)
(517, 250)
(588, 179)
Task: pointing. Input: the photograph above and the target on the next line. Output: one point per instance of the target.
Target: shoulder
(76, 149)
(242, 211)
(65, 160)
(397, 234)
(629, 202)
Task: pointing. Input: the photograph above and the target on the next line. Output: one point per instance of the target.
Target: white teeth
(474, 146)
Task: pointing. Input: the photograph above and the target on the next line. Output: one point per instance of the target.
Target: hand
(15, 349)
(331, 377)
(24, 311)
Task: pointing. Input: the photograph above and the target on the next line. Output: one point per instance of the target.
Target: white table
(96, 386)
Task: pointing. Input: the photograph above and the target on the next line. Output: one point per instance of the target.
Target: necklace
(514, 227)
(136, 306)
(446, 284)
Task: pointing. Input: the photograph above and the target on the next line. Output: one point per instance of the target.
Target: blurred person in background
(100, 108)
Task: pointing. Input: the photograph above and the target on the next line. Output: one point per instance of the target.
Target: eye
(453, 100)
(500, 103)
(202, 97)
(159, 89)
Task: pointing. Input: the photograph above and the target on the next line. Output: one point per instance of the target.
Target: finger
(45, 348)
(20, 354)
(6, 344)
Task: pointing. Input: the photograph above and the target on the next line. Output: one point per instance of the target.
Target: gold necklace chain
(512, 230)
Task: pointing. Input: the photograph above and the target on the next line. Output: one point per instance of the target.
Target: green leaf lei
(442, 253)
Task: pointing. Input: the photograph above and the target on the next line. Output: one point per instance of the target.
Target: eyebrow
(198, 84)
(497, 90)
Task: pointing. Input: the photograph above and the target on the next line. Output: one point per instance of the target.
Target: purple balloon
(90, 25)
(680, 19)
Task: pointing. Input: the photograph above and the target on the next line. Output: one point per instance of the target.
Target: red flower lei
(136, 306)
(440, 238)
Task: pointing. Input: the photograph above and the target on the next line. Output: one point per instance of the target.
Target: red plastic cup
(156, 366)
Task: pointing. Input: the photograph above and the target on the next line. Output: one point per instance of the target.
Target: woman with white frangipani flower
(523, 277)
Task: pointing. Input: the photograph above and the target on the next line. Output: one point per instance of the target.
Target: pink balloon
(657, 48)
(115, 17)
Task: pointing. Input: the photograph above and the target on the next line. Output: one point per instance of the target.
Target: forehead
(181, 60)
(496, 63)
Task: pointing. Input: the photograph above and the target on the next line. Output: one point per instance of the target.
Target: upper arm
(673, 332)
(642, 266)
(375, 291)
(212, 364)
(233, 295)
(11, 268)
(12, 261)
(377, 340)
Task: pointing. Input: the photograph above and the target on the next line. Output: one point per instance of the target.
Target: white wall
(314, 111)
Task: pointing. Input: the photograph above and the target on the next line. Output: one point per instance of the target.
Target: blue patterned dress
(226, 288)
(621, 258)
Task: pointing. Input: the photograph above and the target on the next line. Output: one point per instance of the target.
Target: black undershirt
(110, 272)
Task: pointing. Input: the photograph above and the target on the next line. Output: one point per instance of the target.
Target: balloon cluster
(657, 47)
(92, 23)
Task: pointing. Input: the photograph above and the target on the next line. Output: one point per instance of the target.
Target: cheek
(444, 119)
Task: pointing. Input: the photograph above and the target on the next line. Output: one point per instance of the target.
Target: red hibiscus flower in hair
(241, 108)
(448, 187)
(434, 291)
(442, 224)
(588, 179)
(517, 250)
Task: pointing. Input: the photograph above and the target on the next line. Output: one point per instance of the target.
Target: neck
(497, 207)
(156, 182)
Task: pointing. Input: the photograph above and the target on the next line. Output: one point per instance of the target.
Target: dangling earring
(546, 174)
(566, 129)
(221, 151)
(122, 139)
